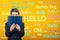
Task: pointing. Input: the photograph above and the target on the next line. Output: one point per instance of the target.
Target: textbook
(14, 20)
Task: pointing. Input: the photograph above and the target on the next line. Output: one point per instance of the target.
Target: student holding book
(15, 31)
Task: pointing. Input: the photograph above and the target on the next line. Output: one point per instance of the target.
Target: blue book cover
(15, 20)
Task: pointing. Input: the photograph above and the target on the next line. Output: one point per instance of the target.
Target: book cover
(14, 20)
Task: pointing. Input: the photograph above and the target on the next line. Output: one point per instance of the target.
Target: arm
(8, 32)
(21, 33)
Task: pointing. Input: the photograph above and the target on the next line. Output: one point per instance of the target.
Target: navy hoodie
(15, 34)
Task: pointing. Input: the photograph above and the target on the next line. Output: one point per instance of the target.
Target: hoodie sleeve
(7, 31)
(21, 33)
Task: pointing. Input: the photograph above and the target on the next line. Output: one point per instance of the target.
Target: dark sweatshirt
(15, 34)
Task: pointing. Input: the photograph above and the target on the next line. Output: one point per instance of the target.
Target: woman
(15, 32)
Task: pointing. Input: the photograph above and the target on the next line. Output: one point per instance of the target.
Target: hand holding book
(12, 27)
(18, 27)
(15, 26)
(15, 22)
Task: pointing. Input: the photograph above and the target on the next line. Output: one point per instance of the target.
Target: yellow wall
(41, 18)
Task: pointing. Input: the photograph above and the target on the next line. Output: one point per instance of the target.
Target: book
(14, 20)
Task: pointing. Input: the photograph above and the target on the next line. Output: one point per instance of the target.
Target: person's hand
(5, 21)
(18, 27)
(12, 27)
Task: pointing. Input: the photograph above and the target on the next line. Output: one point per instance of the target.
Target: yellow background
(34, 30)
